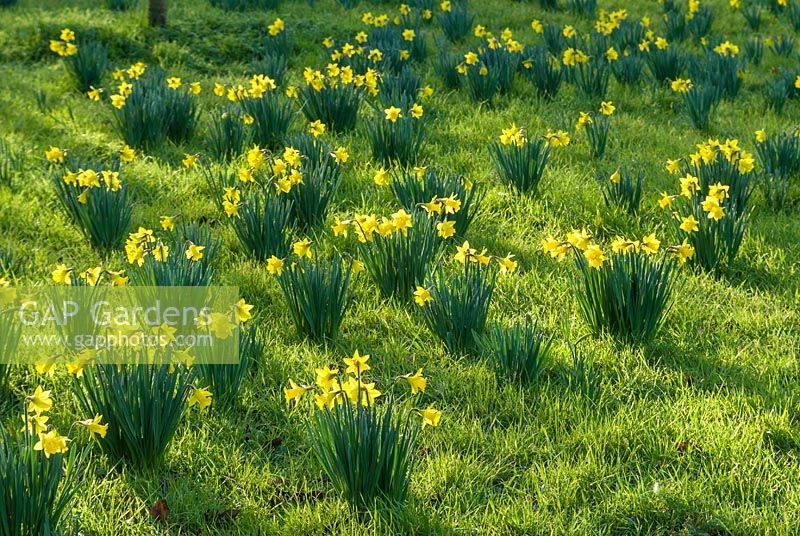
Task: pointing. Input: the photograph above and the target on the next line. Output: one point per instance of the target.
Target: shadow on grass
(757, 278)
(696, 363)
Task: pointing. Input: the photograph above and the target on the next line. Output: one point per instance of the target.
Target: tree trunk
(157, 13)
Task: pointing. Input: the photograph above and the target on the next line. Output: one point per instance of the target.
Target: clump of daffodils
(711, 212)
(95, 199)
(399, 250)
(398, 134)
(40, 461)
(333, 96)
(626, 291)
(256, 198)
(779, 159)
(283, 172)
(482, 80)
(589, 71)
(278, 42)
(150, 107)
(622, 188)
(495, 61)
(363, 439)
(597, 124)
(451, 199)
(316, 289)
(272, 184)
(85, 179)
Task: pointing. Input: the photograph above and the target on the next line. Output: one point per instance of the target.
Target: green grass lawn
(697, 432)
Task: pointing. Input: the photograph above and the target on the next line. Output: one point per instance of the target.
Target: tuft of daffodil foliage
(520, 162)
(225, 381)
(151, 108)
(450, 198)
(520, 353)
(596, 125)
(779, 159)
(334, 97)
(543, 70)
(454, 305)
(622, 189)
(316, 290)
(398, 135)
(143, 405)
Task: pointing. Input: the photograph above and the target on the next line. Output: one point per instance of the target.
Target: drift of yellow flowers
(62, 275)
(200, 397)
(337, 75)
(580, 241)
(50, 441)
(56, 155)
(332, 387)
(558, 138)
(65, 45)
(466, 254)
(513, 135)
(704, 197)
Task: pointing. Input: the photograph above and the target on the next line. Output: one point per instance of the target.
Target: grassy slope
(722, 378)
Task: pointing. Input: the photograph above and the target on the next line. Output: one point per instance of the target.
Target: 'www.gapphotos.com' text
(109, 342)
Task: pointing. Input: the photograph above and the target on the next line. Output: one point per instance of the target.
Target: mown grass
(696, 433)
